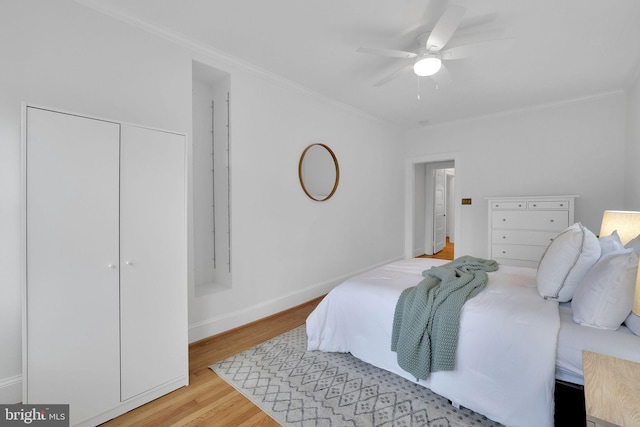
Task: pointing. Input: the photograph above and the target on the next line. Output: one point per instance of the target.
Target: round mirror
(318, 172)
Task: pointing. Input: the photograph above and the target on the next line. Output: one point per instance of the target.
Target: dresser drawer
(531, 220)
(510, 205)
(545, 204)
(521, 252)
(522, 237)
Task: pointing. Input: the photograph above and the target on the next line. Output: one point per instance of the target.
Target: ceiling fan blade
(478, 21)
(445, 27)
(442, 77)
(392, 53)
(392, 76)
(484, 47)
(433, 10)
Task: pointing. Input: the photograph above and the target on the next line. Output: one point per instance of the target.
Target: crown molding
(219, 56)
(528, 108)
(173, 36)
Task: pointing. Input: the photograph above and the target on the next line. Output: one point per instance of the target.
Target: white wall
(285, 247)
(571, 148)
(632, 157)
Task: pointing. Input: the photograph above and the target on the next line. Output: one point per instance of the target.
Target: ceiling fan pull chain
(418, 88)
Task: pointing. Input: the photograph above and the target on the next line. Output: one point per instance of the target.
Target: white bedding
(573, 338)
(505, 362)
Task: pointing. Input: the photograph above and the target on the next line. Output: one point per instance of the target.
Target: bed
(513, 344)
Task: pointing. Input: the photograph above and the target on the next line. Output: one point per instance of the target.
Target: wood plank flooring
(446, 253)
(209, 400)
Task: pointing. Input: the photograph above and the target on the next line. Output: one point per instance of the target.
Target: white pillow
(566, 261)
(610, 243)
(605, 297)
(634, 244)
(633, 323)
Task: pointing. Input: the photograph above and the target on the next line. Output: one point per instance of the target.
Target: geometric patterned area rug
(304, 388)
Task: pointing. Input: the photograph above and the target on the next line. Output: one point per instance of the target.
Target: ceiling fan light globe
(427, 66)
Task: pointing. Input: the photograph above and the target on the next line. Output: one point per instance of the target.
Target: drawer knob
(551, 220)
(504, 219)
(504, 237)
(504, 252)
(561, 204)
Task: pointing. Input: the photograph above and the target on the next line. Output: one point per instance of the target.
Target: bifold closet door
(153, 250)
(72, 286)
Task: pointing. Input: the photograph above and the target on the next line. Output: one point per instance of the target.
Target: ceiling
(561, 49)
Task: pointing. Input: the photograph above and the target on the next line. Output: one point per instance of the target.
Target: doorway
(432, 193)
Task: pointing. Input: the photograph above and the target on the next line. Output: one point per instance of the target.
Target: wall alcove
(210, 166)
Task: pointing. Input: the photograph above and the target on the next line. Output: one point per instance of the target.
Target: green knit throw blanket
(427, 316)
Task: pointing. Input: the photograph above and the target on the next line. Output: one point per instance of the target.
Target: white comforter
(505, 361)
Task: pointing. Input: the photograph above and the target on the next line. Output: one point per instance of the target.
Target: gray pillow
(633, 323)
(634, 244)
(610, 243)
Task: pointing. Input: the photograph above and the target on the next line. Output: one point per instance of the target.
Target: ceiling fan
(427, 59)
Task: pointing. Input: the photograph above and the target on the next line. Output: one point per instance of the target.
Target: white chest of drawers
(521, 228)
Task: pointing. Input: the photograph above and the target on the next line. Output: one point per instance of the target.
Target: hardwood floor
(209, 400)
(446, 253)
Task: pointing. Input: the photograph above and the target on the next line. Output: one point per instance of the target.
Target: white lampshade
(627, 224)
(427, 65)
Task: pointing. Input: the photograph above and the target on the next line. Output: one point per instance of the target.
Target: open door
(439, 211)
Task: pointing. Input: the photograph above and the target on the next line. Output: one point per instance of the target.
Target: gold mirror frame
(335, 163)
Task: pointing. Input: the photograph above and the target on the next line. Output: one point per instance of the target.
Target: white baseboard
(216, 325)
(11, 390)
(420, 251)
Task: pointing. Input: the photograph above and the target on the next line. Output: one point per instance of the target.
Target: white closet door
(153, 256)
(72, 262)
